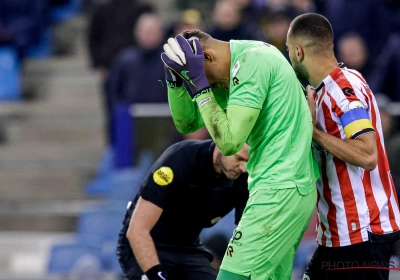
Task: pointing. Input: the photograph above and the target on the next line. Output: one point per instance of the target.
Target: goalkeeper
(265, 107)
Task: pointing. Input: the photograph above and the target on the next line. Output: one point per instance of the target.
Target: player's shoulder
(343, 83)
(258, 55)
(248, 49)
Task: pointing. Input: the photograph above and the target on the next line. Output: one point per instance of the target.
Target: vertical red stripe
(394, 189)
(383, 165)
(335, 108)
(318, 219)
(349, 200)
(323, 238)
(374, 218)
(331, 207)
(323, 89)
(331, 126)
(332, 129)
(346, 189)
(358, 75)
(341, 80)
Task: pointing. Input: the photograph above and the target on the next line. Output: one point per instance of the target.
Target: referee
(190, 187)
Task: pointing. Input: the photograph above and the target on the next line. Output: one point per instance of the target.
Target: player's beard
(300, 70)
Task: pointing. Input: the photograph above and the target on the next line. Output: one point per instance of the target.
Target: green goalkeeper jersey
(280, 140)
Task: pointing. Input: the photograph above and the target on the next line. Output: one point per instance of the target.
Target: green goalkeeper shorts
(265, 241)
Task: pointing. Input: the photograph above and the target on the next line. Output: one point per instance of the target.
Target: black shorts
(350, 262)
(179, 264)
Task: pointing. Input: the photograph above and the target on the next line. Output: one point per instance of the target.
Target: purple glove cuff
(201, 83)
(172, 79)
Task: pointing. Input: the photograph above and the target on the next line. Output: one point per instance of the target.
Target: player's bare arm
(144, 218)
(360, 152)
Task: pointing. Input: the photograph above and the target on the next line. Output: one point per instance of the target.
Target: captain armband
(356, 122)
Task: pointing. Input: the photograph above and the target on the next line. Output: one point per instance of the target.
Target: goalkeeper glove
(188, 62)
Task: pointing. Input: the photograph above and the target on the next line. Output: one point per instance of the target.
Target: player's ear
(299, 53)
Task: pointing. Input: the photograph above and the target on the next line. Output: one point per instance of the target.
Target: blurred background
(84, 113)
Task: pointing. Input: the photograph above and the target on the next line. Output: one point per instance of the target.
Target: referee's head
(310, 37)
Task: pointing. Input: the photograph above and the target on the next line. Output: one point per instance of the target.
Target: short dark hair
(313, 27)
(203, 37)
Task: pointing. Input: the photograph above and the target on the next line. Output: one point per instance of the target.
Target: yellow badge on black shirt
(163, 176)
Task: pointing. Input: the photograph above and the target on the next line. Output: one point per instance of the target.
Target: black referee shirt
(192, 195)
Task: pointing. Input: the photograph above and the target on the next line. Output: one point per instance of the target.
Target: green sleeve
(231, 130)
(185, 113)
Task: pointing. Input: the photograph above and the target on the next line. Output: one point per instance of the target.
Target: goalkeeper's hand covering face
(186, 59)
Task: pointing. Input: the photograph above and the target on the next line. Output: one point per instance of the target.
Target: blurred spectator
(21, 22)
(204, 7)
(228, 23)
(137, 76)
(277, 5)
(275, 25)
(353, 52)
(303, 6)
(136, 72)
(394, 7)
(190, 19)
(250, 15)
(369, 18)
(110, 31)
(392, 144)
(391, 136)
(386, 76)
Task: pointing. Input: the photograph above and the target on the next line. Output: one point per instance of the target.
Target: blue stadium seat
(104, 185)
(65, 257)
(106, 163)
(107, 181)
(67, 11)
(44, 48)
(123, 135)
(125, 190)
(115, 267)
(304, 253)
(109, 257)
(10, 75)
(100, 225)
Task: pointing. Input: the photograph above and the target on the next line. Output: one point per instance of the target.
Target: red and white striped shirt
(351, 200)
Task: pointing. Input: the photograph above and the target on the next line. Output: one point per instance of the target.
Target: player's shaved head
(314, 30)
(204, 38)
(310, 46)
(217, 57)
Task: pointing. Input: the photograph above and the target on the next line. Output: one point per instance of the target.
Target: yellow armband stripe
(358, 127)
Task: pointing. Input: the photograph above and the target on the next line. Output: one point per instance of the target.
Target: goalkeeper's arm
(231, 130)
(185, 113)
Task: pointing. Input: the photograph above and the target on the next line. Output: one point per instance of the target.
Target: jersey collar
(334, 71)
